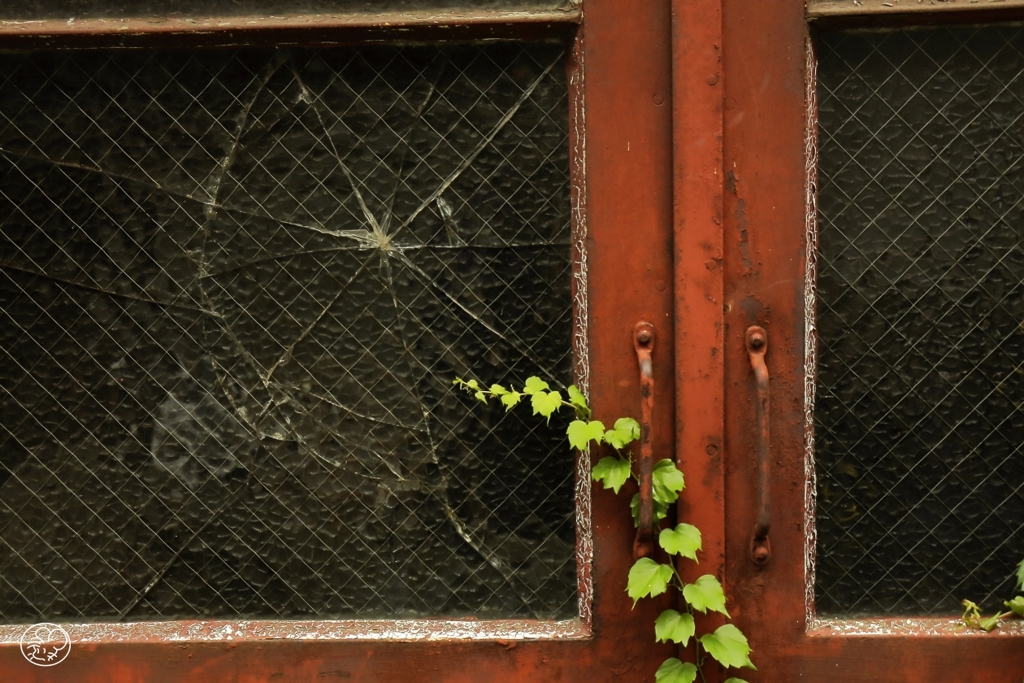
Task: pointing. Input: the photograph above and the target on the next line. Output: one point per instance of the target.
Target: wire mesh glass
(919, 420)
(235, 287)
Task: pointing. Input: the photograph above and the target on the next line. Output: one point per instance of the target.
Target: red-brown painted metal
(643, 345)
(765, 207)
(757, 346)
(626, 107)
(698, 96)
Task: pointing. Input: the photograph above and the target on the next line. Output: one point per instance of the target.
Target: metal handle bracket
(757, 346)
(643, 343)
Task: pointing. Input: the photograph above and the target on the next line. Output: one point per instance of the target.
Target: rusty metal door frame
(768, 172)
(621, 121)
(698, 252)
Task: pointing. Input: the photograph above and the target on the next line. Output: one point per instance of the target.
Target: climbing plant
(973, 618)
(647, 577)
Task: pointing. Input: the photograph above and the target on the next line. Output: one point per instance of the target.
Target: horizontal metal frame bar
(821, 9)
(832, 627)
(400, 630)
(305, 29)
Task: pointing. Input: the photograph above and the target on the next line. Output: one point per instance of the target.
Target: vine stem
(581, 412)
(579, 406)
(697, 657)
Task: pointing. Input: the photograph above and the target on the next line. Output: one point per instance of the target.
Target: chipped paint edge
(581, 327)
(888, 626)
(407, 630)
(818, 9)
(810, 324)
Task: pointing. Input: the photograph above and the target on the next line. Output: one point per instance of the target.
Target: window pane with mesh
(918, 419)
(235, 288)
(121, 9)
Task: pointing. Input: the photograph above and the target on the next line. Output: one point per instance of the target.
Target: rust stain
(730, 182)
(752, 308)
(740, 214)
(741, 227)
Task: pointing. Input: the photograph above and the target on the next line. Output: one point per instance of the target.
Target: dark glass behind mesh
(235, 287)
(93, 9)
(919, 420)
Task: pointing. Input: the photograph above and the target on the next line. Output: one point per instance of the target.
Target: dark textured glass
(919, 423)
(235, 288)
(118, 9)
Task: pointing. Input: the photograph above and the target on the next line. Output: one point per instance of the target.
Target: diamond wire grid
(919, 420)
(236, 287)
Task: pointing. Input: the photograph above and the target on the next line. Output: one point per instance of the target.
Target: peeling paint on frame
(810, 324)
(581, 320)
(924, 626)
(403, 630)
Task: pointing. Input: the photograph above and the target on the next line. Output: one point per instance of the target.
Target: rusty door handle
(643, 343)
(757, 345)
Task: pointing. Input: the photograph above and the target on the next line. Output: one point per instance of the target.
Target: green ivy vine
(647, 578)
(973, 618)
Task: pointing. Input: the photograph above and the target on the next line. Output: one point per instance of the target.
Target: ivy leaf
(473, 384)
(510, 400)
(660, 510)
(674, 671)
(989, 624)
(498, 390)
(729, 646)
(578, 401)
(480, 396)
(1020, 575)
(626, 430)
(668, 481)
(647, 577)
(580, 433)
(546, 403)
(705, 594)
(733, 679)
(630, 425)
(534, 385)
(683, 540)
(612, 471)
(672, 625)
(1016, 605)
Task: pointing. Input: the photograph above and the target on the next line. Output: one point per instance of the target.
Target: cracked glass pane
(120, 9)
(235, 287)
(918, 419)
